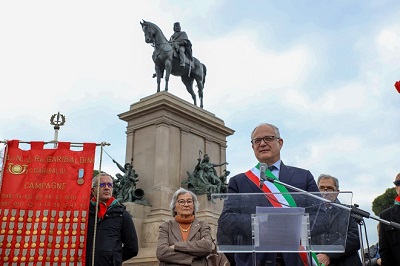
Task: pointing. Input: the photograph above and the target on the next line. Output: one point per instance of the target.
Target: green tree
(95, 172)
(384, 201)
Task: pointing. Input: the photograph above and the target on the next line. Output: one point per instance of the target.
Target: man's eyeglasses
(326, 189)
(183, 202)
(106, 184)
(397, 183)
(266, 139)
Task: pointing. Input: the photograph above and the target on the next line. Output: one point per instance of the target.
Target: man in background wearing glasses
(267, 143)
(342, 228)
(116, 239)
(389, 236)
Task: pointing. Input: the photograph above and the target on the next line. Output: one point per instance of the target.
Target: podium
(294, 222)
(279, 229)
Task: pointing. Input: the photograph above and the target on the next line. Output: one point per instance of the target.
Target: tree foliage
(384, 201)
(95, 172)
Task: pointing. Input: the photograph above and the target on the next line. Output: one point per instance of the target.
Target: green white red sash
(280, 198)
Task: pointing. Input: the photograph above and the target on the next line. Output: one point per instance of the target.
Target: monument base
(165, 137)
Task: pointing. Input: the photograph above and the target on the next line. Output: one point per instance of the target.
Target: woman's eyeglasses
(183, 202)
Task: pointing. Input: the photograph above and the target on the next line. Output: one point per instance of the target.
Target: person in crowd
(371, 254)
(234, 224)
(389, 236)
(340, 223)
(116, 239)
(184, 240)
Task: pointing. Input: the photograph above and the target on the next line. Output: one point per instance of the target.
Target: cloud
(387, 44)
(328, 86)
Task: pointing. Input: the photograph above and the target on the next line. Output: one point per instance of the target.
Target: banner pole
(73, 144)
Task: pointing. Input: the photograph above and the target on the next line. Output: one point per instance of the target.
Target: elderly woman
(184, 240)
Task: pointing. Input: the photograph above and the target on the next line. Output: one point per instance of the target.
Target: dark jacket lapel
(285, 173)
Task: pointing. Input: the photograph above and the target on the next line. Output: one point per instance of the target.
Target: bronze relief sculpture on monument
(125, 185)
(175, 57)
(204, 179)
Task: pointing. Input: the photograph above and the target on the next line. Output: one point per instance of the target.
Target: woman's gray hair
(179, 192)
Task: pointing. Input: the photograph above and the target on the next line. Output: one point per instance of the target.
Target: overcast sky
(322, 71)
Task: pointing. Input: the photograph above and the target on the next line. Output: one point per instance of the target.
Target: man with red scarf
(116, 239)
(389, 236)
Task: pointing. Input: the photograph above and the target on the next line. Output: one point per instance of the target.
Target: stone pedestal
(165, 137)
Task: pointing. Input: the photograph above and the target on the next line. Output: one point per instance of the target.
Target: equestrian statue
(175, 57)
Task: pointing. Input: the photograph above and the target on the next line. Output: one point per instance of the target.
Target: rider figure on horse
(181, 44)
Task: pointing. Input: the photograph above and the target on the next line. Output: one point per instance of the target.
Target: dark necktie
(271, 168)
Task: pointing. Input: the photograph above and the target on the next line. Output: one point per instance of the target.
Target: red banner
(44, 204)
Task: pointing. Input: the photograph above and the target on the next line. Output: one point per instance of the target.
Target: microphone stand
(355, 212)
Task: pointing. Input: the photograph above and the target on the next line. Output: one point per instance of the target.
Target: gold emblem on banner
(17, 169)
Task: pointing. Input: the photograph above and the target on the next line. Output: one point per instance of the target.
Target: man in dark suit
(342, 228)
(234, 224)
(389, 237)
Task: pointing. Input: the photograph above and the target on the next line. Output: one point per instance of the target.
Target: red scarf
(103, 206)
(397, 200)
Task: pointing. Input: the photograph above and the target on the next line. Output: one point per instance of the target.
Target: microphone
(263, 167)
(270, 179)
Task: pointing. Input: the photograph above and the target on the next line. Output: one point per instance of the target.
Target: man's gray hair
(325, 176)
(275, 128)
(179, 192)
(95, 179)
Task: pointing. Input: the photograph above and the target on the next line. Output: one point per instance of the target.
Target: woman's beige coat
(190, 252)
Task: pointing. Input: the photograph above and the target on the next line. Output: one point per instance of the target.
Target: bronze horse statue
(163, 57)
